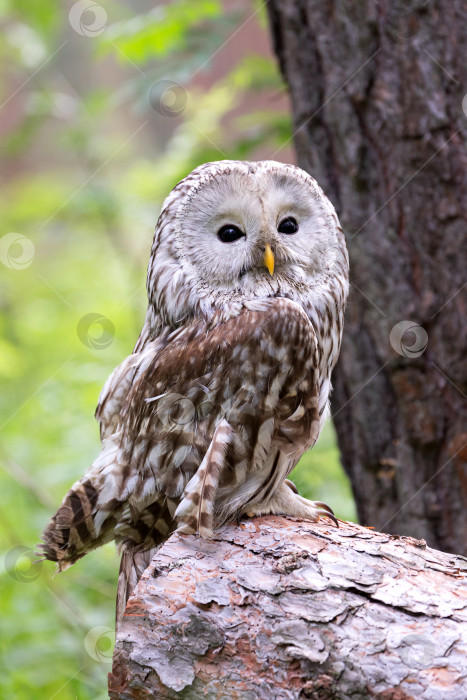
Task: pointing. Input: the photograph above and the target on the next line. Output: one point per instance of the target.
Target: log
(284, 608)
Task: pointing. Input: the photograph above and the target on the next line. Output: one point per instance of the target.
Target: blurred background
(105, 107)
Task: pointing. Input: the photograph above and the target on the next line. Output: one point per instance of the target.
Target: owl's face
(249, 230)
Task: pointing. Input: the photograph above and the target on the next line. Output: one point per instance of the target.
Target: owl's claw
(286, 501)
(292, 486)
(327, 513)
(324, 506)
(323, 509)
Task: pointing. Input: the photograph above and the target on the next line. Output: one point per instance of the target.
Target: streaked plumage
(229, 381)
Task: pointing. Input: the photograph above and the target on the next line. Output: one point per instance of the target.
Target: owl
(229, 381)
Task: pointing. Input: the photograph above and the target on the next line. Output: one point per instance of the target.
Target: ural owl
(229, 381)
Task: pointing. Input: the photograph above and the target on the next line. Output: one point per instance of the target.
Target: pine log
(288, 609)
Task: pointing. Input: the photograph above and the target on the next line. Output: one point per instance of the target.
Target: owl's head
(233, 231)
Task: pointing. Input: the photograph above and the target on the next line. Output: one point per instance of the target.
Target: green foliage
(42, 17)
(165, 30)
(84, 190)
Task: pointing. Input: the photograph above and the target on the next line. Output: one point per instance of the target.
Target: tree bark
(380, 119)
(287, 609)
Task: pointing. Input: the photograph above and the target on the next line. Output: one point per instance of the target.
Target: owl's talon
(324, 506)
(327, 514)
(291, 485)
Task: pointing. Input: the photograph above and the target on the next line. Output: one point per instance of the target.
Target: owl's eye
(288, 225)
(229, 233)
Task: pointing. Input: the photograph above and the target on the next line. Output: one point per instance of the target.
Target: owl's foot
(287, 501)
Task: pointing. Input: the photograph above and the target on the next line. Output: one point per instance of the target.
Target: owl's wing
(117, 387)
(236, 399)
(113, 395)
(228, 407)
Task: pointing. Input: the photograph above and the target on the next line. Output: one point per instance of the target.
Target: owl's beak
(268, 259)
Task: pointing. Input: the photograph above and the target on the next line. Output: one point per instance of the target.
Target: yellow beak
(269, 259)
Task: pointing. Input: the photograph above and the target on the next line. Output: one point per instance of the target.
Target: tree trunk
(281, 609)
(380, 120)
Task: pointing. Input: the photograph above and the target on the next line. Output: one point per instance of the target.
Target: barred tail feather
(71, 532)
(132, 565)
(84, 520)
